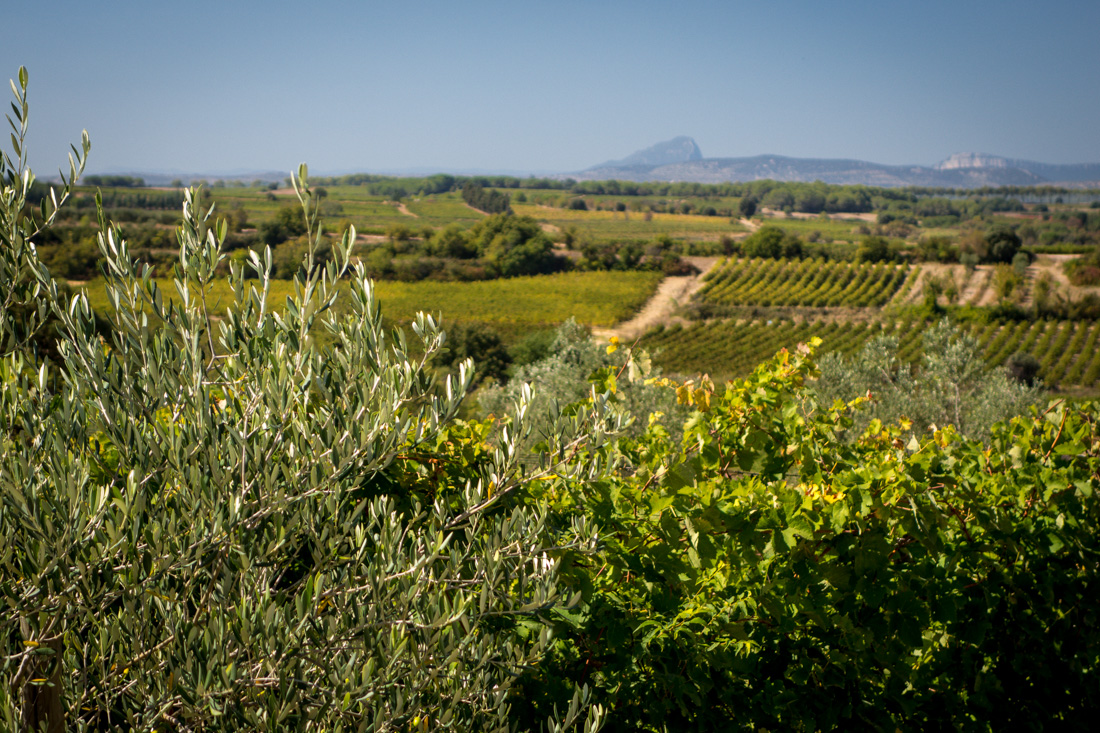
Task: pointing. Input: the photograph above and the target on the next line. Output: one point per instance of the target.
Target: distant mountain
(680, 160)
(677, 150)
(1055, 173)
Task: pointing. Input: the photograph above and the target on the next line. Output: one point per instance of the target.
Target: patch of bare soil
(927, 271)
(975, 287)
(1051, 265)
(982, 291)
(405, 210)
(661, 308)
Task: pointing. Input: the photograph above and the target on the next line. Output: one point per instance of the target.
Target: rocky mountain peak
(972, 160)
(677, 150)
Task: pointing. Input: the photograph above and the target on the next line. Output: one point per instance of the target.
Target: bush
(951, 385)
(1002, 243)
(1024, 368)
(480, 344)
(746, 207)
(218, 525)
(874, 249)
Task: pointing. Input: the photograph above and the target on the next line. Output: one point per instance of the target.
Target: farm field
(749, 307)
(593, 298)
(1068, 351)
(816, 283)
(835, 230)
(600, 226)
(371, 214)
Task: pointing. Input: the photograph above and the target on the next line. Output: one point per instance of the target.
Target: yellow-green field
(593, 298)
(629, 225)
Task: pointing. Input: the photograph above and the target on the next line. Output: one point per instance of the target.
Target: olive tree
(952, 385)
(211, 521)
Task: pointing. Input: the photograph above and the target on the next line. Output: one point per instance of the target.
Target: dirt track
(661, 308)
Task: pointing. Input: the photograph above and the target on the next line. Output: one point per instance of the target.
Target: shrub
(951, 385)
(218, 525)
(771, 242)
(762, 574)
(1024, 368)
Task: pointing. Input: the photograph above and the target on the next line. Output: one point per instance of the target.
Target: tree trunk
(42, 707)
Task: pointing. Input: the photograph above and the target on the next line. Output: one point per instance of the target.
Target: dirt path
(405, 210)
(661, 308)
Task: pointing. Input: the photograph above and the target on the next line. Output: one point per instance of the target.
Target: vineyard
(816, 283)
(1068, 352)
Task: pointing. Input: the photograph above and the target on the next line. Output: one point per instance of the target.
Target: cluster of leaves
(764, 573)
(771, 242)
(998, 244)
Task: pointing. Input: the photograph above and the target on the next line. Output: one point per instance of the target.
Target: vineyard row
(1067, 351)
(815, 283)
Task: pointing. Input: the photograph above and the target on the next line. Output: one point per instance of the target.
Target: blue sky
(522, 86)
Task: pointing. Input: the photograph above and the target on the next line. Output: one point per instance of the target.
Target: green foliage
(514, 245)
(1002, 242)
(727, 349)
(487, 200)
(747, 207)
(451, 241)
(816, 282)
(771, 242)
(763, 574)
(215, 524)
(115, 181)
(874, 249)
(951, 386)
(1085, 271)
(566, 376)
(286, 224)
(24, 315)
(480, 344)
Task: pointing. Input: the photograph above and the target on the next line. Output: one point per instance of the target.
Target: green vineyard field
(1068, 351)
(810, 282)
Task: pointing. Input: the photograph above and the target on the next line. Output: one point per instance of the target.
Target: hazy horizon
(507, 87)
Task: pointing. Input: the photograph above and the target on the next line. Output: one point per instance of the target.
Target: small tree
(747, 207)
(950, 386)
